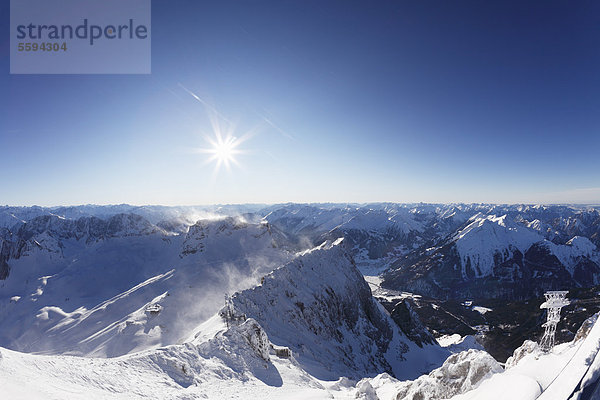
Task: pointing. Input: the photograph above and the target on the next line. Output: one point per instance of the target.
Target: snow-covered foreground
(240, 362)
(530, 374)
(179, 372)
(218, 369)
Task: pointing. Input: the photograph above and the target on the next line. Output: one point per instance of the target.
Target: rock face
(90, 228)
(205, 236)
(460, 373)
(410, 324)
(585, 328)
(256, 337)
(527, 347)
(320, 307)
(4, 256)
(49, 232)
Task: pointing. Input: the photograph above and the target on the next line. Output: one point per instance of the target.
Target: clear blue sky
(448, 101)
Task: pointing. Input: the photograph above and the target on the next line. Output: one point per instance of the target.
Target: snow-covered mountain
(126, 281)
(497, 256)
(241, 360)
(374, 234)
(307, 328)
(319, 306)
(109, 287)
(9, 216)
(488, 239)
(454, 245)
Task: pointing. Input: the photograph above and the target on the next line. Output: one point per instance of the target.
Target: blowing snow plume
(320, 307)
(310, 325)
(85, 291)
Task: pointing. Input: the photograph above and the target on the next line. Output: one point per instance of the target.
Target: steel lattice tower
(555, 300)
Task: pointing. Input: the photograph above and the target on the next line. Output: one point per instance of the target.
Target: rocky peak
(320, 307)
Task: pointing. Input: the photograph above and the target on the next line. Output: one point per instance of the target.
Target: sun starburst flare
(224, 147)
(223, 151)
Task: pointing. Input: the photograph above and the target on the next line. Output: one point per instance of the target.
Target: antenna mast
(555, 300)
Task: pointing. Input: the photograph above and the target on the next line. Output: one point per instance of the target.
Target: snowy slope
(503, 256)
(460, 373)
(317, 305)
(79, 289)
(574, 251)
(545, 376)
(490, 240)
(530, 374)
(235, 363)
(488, 237)
(320, 306)
(382, 220)
(124, 281)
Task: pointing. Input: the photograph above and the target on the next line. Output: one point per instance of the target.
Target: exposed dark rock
(409, 322)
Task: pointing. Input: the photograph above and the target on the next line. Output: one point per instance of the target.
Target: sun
(224, 147)
(223, 150)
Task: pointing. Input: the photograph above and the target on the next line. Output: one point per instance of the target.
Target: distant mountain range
(443, 251)
(512, 253)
